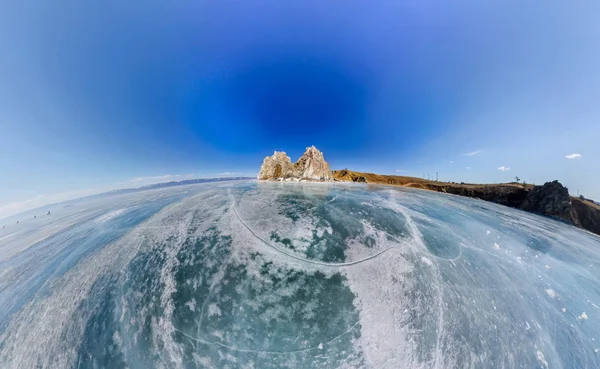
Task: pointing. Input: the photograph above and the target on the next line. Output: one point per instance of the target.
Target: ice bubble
(582, 316)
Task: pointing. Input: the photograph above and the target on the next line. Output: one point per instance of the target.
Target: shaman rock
(310, 166)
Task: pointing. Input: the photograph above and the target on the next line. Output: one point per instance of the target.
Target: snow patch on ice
(551, 293)
(213, 309)
(191, 305)
(583, 316)
(426, 261)
(541, 359)
(109, 216)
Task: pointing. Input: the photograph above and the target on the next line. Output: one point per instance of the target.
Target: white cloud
(503, 168)
(468, 167)
(573, 156)
(451, 161)
(138, 179)
(471, 153)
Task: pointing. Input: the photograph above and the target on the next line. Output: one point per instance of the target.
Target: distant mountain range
(68, 203)
(163, 185)
(176, 183)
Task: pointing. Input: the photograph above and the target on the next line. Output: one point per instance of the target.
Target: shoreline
(550, 200)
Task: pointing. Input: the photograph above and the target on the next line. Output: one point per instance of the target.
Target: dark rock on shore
(504, 195)
(551, 199)
(588, 215)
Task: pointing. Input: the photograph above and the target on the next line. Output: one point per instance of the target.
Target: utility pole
(436, 176)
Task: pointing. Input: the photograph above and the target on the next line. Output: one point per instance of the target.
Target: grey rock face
(310, 166)
(551, 199)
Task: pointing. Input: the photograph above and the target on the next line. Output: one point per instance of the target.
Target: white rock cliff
(310, 166)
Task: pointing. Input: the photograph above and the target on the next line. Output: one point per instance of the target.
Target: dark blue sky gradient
(100, 92)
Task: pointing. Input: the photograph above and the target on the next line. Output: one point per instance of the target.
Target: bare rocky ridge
(311, 166)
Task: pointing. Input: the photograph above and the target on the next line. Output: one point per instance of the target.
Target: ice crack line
(440, 303)
(315, 262)
(267, 351)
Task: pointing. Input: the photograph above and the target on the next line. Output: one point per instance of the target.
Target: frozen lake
(297, 275)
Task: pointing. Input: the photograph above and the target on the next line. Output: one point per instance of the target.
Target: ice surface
(298, 275)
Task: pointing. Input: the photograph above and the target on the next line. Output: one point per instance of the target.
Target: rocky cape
(551, 199)
(311, 166)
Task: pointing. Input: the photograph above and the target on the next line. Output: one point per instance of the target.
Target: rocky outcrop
(276, 166)
(506, 195)
(347, 175)
(310, 166)
(588, 214)
(551, 199)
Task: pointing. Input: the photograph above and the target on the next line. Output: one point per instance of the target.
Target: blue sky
(103, 95)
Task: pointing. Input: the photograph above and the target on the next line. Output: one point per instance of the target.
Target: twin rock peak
(311, 166)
